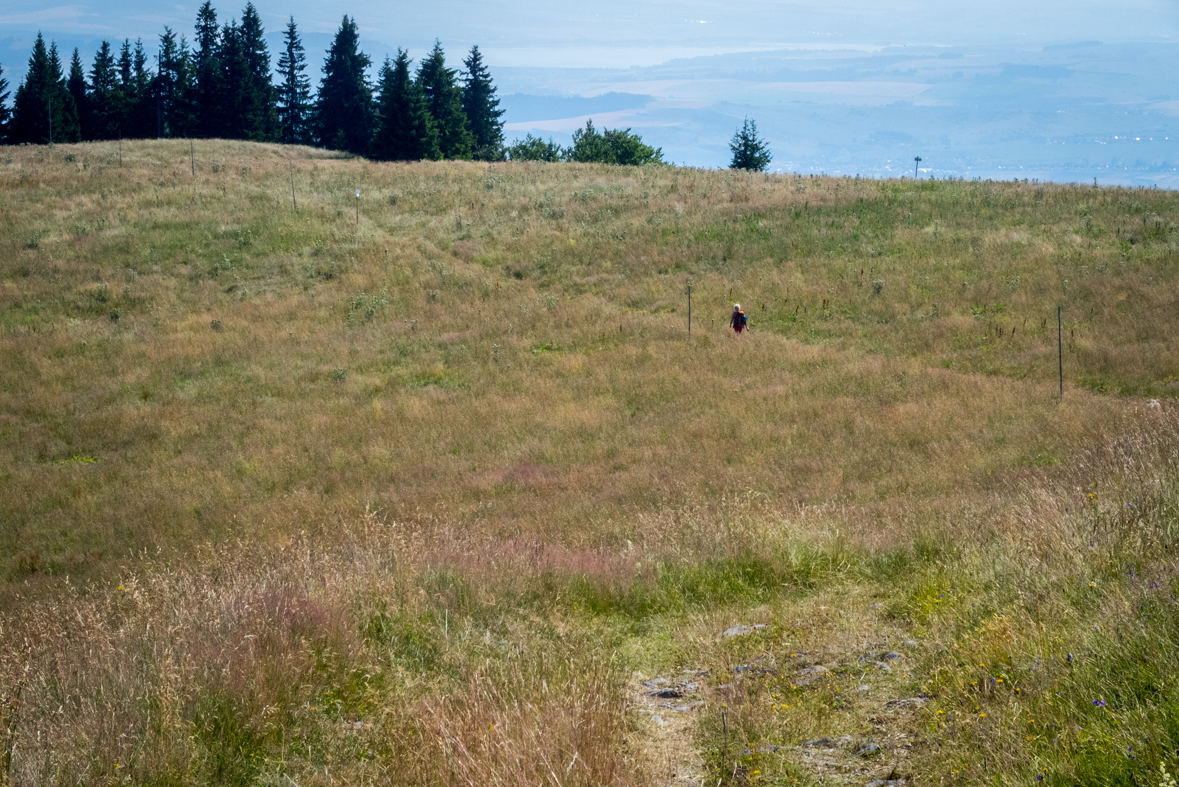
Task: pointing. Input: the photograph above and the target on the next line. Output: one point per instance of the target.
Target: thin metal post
(916, 164)
(689, 309)
(1060, 350)
(192, 156)
(295, 204)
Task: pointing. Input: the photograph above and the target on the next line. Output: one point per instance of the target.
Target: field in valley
(433, 486)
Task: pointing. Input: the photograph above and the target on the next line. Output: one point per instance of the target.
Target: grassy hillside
(414, 487)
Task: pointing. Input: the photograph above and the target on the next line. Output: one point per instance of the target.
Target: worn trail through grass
(837, 705)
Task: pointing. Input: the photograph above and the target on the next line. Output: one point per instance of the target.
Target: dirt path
(873, 741)
(668, 706)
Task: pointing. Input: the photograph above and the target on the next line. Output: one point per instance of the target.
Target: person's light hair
(736, 307)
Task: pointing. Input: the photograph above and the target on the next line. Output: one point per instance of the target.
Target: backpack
(743, 320)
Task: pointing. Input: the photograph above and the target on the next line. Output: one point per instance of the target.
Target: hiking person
(738, 320)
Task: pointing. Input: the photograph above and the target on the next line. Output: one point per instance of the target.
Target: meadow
(419, 486)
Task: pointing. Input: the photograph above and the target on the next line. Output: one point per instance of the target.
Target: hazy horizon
(623, 31)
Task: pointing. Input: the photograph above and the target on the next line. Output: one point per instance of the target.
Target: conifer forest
(222, 85)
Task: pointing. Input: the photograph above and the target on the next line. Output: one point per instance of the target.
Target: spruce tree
(185, 119)
(69, 129)
(210, 112)
(749, 152)
(343, 114)
(208, 33)
(5, 112)
(76, 86)
(294, 89)
(174, 86)
(126, 94)
(405, 130)
(43, 109)
(444, 100)
(256, 98)
(141, 108)
(235, 83)
(482, 110)
(125, 66)
(136, 116)
(103, 99)
(30, 122)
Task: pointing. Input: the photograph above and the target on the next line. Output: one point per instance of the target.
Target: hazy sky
(620, 33)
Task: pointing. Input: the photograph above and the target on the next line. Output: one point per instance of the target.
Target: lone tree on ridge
(749, 152)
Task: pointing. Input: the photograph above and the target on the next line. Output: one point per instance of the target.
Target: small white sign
(358, 192)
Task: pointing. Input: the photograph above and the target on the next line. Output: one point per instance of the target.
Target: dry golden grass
(205, 395)
(271, 370)
(245, 664)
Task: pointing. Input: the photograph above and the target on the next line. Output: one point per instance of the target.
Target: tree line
(619, 146)
(222, 86)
